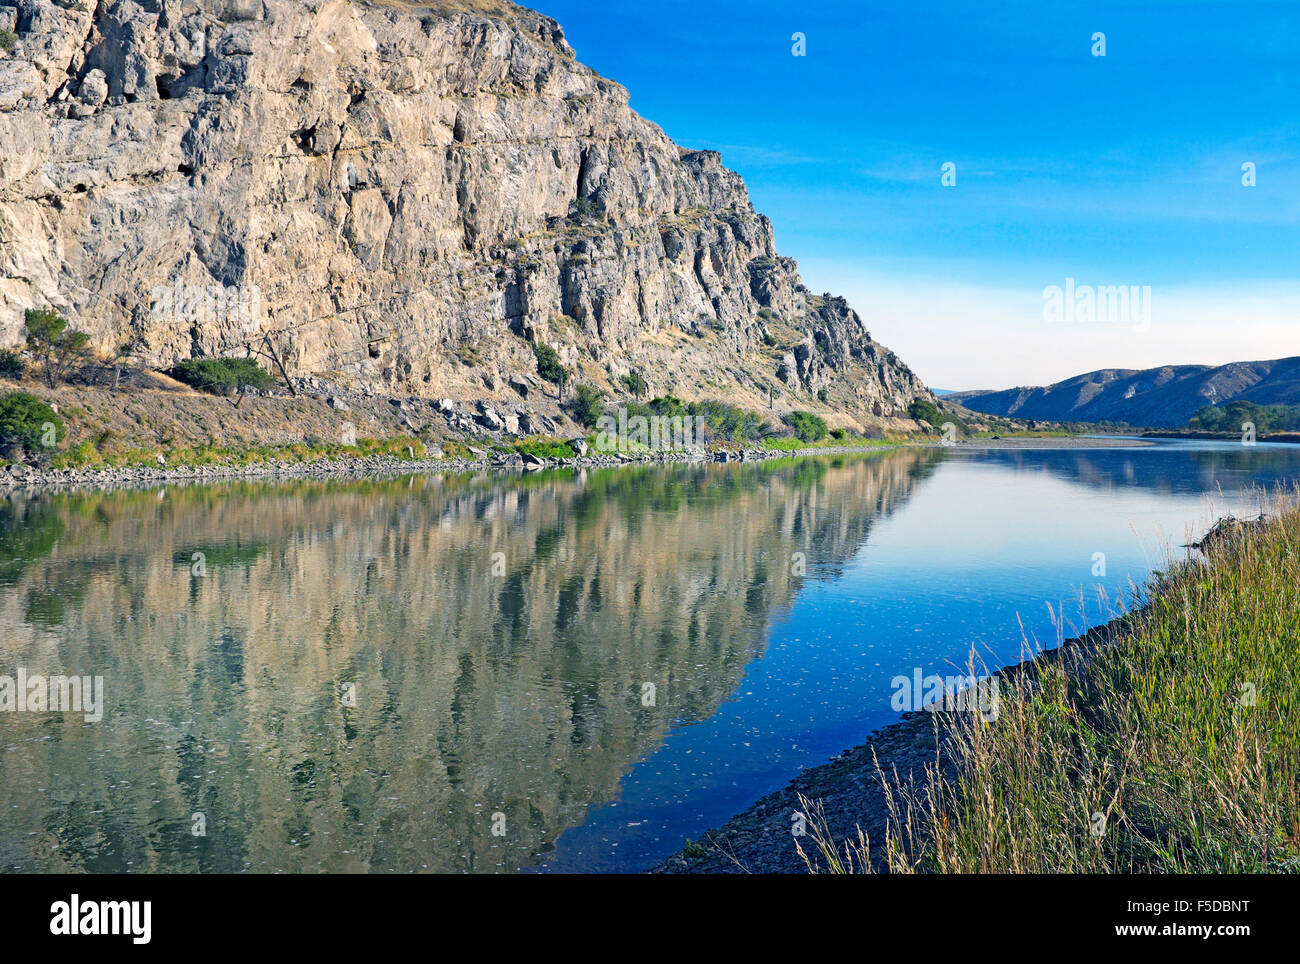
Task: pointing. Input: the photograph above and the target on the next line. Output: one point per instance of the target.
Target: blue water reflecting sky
(972, 560)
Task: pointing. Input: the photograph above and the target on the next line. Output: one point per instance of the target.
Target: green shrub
(723, 420)
(807, 426)
(924, 410)
(838, 434)
(80, 456)
(223, 376)
(669, 405)
(11, 364)
(586, 405)
(548, 363)
(635, 384)
(727, 421)
(29, 423)
(455, 449)
(7, 39)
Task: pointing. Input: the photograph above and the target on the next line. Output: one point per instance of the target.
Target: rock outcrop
(403, 196)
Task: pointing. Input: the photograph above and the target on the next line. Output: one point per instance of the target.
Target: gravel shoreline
(27, 477)
(378, 466)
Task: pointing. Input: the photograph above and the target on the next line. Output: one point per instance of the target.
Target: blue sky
(1117, 170)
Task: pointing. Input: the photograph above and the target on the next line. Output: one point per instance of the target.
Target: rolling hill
(1154, 398)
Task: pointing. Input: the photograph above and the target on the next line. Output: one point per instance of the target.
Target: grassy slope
(133, 426)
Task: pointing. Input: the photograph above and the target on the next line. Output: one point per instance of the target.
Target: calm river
(574, 670)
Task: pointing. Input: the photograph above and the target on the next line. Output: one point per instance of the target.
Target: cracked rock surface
(418, 194)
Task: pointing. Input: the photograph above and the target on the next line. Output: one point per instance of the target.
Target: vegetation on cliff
(55, 344)
(223, 376)
(12, 364)
(806, 426)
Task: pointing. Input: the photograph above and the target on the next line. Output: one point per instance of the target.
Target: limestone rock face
(413, 197)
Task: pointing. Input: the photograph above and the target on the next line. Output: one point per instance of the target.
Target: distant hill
(1152, 398)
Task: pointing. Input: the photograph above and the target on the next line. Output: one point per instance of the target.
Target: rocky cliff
(414, 193)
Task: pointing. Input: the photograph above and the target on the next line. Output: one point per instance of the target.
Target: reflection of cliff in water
(476, 693)
(1164, 469)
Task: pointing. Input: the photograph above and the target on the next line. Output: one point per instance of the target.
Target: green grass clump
(454, 449)
(790, 443)
(104, 453)
(82, 455)
(694, 851)
(544, 447)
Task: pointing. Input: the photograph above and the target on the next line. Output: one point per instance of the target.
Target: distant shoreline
(1287, 438)
(1062, 442)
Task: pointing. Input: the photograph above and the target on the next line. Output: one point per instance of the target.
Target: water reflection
(374, 676)
(1169, 466)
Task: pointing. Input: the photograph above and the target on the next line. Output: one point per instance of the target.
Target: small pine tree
(586, 405)
(54, 344)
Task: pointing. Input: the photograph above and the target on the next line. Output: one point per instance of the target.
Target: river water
(572, 671)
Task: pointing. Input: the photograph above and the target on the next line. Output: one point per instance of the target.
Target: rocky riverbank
(20, 475)
(24, 476)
